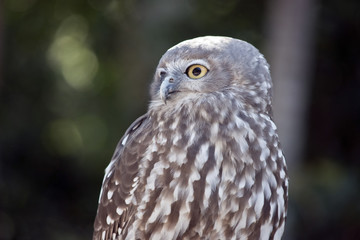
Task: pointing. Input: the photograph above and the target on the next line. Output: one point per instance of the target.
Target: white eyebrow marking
(199, 61)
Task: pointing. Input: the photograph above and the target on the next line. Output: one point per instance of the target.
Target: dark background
(75, 74)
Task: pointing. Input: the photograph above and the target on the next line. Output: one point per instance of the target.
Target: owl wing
(115, 208)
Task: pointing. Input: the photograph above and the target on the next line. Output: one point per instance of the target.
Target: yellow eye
(196, 71)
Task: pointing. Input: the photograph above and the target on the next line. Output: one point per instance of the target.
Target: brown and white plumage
(204, 162)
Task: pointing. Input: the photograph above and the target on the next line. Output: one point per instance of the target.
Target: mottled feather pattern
(205, 165)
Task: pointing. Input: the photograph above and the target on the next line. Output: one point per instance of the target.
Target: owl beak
(168, 86)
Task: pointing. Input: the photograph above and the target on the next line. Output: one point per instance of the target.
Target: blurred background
(75, 74)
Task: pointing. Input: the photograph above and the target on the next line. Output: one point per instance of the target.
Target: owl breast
(210, 174)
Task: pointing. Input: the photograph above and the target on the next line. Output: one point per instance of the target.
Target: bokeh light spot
(70, 55)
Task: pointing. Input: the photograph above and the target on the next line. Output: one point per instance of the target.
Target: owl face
(197, 67)
(194, 75)
(190, 76)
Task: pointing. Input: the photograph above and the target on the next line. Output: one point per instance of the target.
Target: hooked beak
(168, 86)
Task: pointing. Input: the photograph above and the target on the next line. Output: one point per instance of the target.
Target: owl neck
(217, 105)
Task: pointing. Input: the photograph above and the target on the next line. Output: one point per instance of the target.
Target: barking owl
(205, 161)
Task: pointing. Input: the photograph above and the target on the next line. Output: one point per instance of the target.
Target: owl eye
(196, 71)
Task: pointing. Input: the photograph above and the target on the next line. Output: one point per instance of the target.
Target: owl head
(199, 67)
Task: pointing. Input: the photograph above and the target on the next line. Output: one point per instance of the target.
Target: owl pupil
(196, 71)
